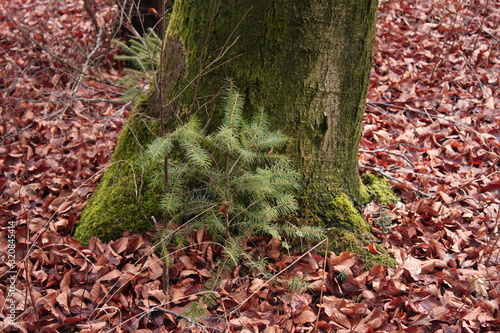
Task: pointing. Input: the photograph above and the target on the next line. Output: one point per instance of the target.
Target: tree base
(346, 227)
(346, 241)
(125, 200)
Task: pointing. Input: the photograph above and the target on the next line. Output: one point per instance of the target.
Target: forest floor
(432, 128)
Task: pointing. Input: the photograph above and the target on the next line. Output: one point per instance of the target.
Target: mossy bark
(125, 199)
(307, 63)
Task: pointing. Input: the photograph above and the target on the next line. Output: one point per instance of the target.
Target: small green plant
(341, 276)
(258, 267)
(295, 284)
(233, 182)
(143, 58)
(383, 218)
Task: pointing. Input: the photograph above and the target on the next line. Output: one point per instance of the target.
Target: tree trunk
(307, 63)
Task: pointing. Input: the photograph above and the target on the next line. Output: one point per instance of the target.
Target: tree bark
(307, 63)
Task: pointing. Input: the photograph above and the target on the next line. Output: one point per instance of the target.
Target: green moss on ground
(117, 209)
(346, 241)
(347, 228)
(352, 233)
(346, 216)
(125, 200)
(379, 189)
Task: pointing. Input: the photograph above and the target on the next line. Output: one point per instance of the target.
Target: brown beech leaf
(330, 304)
(376, 319)
(306, 316)
(413, 266)
(155, 267)
(63, 298)
(423, 305)
(372, 249)
(256, 284)
(341, 263)
(95, 293)
(92, 326)
(249, 319)
(119, 245)
(438, 248)
(112, 275)
(489, 103)
(340, 319)
(477, 284)
(446, 198)
(493, 186)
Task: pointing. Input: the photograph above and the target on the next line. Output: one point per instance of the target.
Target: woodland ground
(431, 127)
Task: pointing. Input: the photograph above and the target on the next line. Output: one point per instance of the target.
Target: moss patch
(350, 232)
(344, 215)
(346, 241)
(379, 189)
(125, 199)
(117, 209)
(364, 195)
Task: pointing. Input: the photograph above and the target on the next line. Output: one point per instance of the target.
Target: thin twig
(84, 69)
(52, 54)
(383, 173)
(91, 13)
(274, 277)
(383, 150)
(481, 84)
(438, 116)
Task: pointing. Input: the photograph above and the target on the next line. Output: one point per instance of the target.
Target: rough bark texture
(307, 63)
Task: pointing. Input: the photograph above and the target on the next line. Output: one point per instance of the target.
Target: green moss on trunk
(124, 200)
(379, 189)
